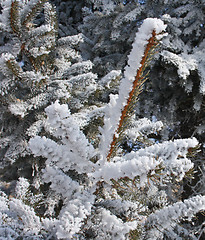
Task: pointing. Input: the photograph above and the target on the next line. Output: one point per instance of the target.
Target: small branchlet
(37, 8)
(36, 42)
(15, 18)
(14, 68)
(140, 78)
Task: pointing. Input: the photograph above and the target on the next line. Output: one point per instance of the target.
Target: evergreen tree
(87, 159)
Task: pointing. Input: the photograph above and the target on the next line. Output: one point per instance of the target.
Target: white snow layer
(171, 155)
(168, 217)
(75, 149)
(117, 102)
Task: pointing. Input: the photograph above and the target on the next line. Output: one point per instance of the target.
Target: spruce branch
(15, 17)
(140, 78)
(14, 67)
(37, 8)
(29, 56)
(36, 42)
(51, 18)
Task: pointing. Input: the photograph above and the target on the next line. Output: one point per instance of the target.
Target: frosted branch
(117, 108)
(169, 216)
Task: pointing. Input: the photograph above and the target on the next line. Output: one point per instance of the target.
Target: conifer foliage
(37, 67)
(85, 184)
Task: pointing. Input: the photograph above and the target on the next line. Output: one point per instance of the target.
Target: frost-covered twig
(75, 151)
(170, 156)
(169, 216)
(121, 107)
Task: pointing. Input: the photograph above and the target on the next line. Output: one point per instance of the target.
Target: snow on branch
(173, 155)
(121, 106)
(32, 8)
(64, 125)
(58, 178)
(142, 127)
(170, 157)
(168, 217)
(16, 217)
(71, 40)
(185, 63)
(74, 151)
(74, 212)
(108, 226)
(132, 168)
